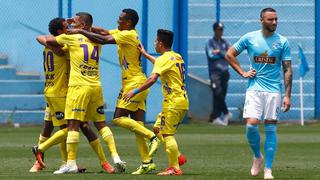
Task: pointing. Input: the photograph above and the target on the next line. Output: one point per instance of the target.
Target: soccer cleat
(255, 169)
(39, 156)
(66, 169)
(144, 168)
(227, 118)
(182, 160)
(153, 146)
(120, 166)
(268, 174)
(81, 169)
(36, 167)
(108, 168)
(218, 121)
(171, 171)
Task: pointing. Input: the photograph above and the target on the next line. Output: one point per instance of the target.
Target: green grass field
(212, 152)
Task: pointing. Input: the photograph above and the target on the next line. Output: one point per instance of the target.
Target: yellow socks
(171, 147)
(134, 126)
(107, 137)
(142, 146)
(63, 151)
(42, 139)
(96, 146)
(73, 140)
(56, 138)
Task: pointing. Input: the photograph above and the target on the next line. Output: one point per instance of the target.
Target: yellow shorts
(169, 119)
(85, 103)
(55, 110)
(137, 102)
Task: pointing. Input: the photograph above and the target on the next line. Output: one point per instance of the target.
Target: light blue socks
(253, 137)
(270, 145)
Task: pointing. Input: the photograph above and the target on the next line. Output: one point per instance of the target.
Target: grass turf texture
(212, 152)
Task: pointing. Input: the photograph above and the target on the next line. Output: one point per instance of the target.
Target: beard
(271, 29)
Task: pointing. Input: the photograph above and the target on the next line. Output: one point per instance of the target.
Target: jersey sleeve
(286, 54)
(123, 37)
(241, 44)
(161, 65)
(114, 31)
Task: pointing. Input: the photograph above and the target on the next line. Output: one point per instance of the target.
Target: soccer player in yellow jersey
(171, 70)
(56, 67)
(84, 98)
(127, 40)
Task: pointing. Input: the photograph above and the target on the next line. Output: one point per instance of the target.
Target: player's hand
(128, 96)
(216, 51)
(73, 31)
(141, 48)
(249, 74)
(286, 104)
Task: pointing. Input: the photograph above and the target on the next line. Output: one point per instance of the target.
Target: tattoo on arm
(287, 72)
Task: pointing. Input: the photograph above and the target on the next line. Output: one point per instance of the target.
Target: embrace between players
(73, 93)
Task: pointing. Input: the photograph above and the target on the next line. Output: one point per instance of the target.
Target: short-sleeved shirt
(84, 59)
(56, 72)
(266, 56)
(129, 55)
(171, 68)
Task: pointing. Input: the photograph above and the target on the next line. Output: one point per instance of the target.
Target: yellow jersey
(84, 59)
(170, 66)
(129, 55)
(56, 72)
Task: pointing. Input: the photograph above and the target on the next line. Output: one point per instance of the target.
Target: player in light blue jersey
(268, 51)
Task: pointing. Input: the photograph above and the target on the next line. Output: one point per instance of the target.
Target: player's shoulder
(252, 34)
(281, 37)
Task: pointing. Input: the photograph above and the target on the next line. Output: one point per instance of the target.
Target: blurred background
(21, 69)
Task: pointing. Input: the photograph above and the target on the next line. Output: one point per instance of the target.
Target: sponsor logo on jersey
(264, 58)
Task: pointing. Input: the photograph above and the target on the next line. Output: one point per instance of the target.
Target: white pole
(301, 102)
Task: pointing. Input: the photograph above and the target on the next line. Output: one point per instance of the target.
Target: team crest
(80, 39)
(171, 58)
(275, 45)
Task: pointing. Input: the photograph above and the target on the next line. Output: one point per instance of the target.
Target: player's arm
(287, 72)
(100, 30)
(231, 57)
(94, 37)
(146, 54)
(43, 39)
(148, 83)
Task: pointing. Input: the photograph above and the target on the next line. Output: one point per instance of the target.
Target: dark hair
(266, 10)
(55, 25)
(166, 37)
(86, 18)
(217, 25)
(131, 15)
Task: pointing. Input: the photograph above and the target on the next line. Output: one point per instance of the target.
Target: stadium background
(21, 76)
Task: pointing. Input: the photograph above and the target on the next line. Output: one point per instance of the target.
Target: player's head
(164, 40)
(269, 19)
(128, 19)
(82, 20)
(218, 29)
(57, 26)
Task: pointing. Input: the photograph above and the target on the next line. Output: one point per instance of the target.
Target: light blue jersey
(266, 55)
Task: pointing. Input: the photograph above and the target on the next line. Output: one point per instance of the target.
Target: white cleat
(218, 121)
(227, 118)
(255, 169)
(268, 174)
(120, 166)
(66, 169)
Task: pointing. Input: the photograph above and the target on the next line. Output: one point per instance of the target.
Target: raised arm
(146, 54)
(94, 37)
(100, 30)
(287, 72)
(231, 57)
(50, 42)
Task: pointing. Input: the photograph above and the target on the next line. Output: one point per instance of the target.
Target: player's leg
(96, 146)
(252, 112)
(167, 126)
(45, 134)
(272, 110)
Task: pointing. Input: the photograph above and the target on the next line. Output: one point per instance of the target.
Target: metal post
(60, 8)
(218, 10)
(176, 25)
(144, 38)
(317, 59)
(69, 8)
